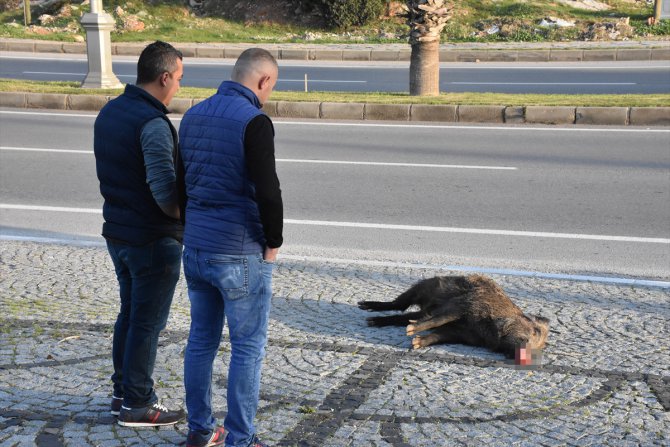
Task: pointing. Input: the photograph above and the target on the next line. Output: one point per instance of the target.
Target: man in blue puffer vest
(234, 218)
(135, 151)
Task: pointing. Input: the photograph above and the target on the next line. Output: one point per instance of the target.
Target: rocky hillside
(301, 20)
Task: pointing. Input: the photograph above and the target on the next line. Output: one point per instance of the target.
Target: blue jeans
(147, 278)
(239, 289)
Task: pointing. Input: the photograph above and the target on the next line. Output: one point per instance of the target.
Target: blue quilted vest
(221, 213)
(130, 211)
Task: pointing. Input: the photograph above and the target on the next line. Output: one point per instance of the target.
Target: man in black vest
(135, 151)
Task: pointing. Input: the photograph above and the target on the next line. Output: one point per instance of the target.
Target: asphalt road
(565, 200)
(570, 78)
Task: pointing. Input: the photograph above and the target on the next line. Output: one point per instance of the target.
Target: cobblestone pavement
(329, 379)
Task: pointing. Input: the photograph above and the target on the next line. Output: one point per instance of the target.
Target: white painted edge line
(408, 165)
(378, 226)
(292, 160)
(73, 74)
(279, 121)
(526, 127)
(490, 232)
(403, 265)
(541, 83)
(38, 149)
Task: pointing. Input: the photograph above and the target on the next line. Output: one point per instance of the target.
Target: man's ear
(164, 78)
(263, 81)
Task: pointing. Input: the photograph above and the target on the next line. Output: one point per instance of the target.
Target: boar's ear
(541, 320)
(504, 325)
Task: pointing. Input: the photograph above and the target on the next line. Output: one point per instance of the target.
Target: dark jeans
(147, 277)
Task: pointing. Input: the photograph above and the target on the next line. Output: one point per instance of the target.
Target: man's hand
(270, 254)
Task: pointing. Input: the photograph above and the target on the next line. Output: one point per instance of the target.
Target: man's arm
(259, 150)
(157, 147)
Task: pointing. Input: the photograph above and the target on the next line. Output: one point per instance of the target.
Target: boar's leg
(430, 323)
(443, 334)
(402, 302)
(394, 320)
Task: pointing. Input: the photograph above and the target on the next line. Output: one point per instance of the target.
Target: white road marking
(36, 149)
(295, 160)
(72, 74)
(379, 226)
(542, 83)
(279, 121)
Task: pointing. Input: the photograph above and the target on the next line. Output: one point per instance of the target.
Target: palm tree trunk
(424, 69)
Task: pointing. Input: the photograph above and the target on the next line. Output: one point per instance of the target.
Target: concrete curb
(445, 113)
(392, 52)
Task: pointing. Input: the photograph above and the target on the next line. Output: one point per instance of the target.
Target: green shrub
(662, 28)
(349, 13)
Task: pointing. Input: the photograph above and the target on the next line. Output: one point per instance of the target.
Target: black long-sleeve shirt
(259, 150)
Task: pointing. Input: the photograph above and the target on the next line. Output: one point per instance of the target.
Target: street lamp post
(98, 25)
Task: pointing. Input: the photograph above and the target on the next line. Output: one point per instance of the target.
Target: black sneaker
(154, 415)
(257, 443)
(116, 405)
(195, 439)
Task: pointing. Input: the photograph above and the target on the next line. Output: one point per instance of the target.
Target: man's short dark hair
(156, 59)
(250, 60)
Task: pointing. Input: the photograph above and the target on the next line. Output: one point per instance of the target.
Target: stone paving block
(12, 99)
(326, 55)
(128, 49)
(660, 54)
(515, 115)
(46, 101)
(295, 54)
(637, 54)
(533, 56)
(187, 50)
(270, 107)
(566, 55)
(600, 55)
(446, 55)
(233, 52)
(650, 116)
(48, 47)
(481, 114)
(382, 55)
(180, 105)
(550, 115)
(86, 102)
(74, 48)
(602, 115)
(287, 109)
(210, 52)
(342, 111)
(397, 112)
(470, 56)
(502, 56)
(356, 55)
(23, 46)
(430, 112)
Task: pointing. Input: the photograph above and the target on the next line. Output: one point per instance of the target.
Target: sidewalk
(329, 379)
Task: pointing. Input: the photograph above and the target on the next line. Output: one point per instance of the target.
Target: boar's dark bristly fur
(471, 310)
